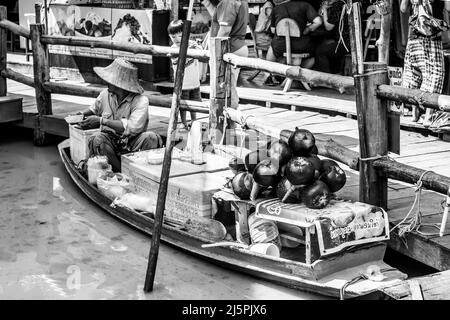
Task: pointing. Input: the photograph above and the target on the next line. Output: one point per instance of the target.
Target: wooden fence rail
(334, 81)
(15, 28)
(415, 96)
(136, 48)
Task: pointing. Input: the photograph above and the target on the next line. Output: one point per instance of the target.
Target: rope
(373, 158)
(412, 224)
(341, 26)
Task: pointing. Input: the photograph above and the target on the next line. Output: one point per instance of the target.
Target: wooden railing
(371, 86)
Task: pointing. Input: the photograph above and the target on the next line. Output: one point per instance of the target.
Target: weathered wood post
(373, 132)
(219, 86)
(41, 75)
(37, 12)
(3, 52)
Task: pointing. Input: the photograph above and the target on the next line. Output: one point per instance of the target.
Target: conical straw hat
(122, 74)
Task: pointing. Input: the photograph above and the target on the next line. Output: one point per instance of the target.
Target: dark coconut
(316, 196)
(242, 184)
(299, 171)
(266, 173)
(325, 163)
(334, 177)
(301, 142)
(282, 188)
(253, 158)
(237, 165)
(279, 153)
(315, 160)
(315, 150)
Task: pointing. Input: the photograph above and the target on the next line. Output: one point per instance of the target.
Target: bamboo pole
(385, 36)
(163, 184)
(219, 89)
(3, 52)
(11, 26)
(415, 96)
(201, 55)
(334, 81)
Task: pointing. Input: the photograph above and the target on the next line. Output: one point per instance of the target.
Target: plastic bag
(113, 185)
(95, 166)
(134, 201)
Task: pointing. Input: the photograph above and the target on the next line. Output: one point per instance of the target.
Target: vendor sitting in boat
(121, 112)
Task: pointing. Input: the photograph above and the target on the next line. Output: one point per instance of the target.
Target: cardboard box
(187, 195)
(79, 149)
(190, 186)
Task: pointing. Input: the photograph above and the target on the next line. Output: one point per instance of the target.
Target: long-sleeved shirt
(132, 111)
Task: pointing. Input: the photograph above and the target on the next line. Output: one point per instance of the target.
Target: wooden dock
(426, 152)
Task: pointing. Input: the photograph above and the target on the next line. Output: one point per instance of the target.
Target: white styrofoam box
(79, 149)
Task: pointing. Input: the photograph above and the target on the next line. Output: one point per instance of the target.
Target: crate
(178, 167)
(319, 233)
(79, 149)
(187, 196)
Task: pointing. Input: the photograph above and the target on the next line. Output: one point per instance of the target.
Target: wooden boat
(327, 277)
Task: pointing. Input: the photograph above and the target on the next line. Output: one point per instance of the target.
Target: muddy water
(56, 244)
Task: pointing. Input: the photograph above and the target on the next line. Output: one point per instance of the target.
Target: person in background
(424, 59)
(121, 112)
(307, 20)
(263, 36)
(230, 19)
(332, 42)
(191, 81)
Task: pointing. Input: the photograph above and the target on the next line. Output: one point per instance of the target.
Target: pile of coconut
(292, 171)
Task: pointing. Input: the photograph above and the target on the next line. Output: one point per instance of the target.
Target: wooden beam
(373, 127)
(219, 87)
(16, 76)
(15, 28)
(327, 148)
(41, 70)
(403, 172)
(154, 50)
(3, 52)
(415, 96)
(334, 81)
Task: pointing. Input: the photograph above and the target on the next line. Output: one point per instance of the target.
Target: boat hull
(325, 277)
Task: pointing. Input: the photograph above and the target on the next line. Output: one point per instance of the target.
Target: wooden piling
(41, 75)
(3, 51)
(219, 86)
(373, 128)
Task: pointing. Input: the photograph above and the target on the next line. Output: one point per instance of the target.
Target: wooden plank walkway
(426, 152)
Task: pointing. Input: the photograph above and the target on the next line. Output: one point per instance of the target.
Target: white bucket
(266, 248)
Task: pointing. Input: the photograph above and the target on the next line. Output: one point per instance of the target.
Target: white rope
(411, 224)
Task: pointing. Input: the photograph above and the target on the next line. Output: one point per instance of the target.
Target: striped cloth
(424, 65)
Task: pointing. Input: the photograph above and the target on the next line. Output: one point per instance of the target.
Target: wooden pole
(154, 50)
(3, 52)
(373, 127)
(354, 24)
(219, 87)
(15, 28)
(415, 96)
(41, 75)
(37, 12)
(317, 78)
(385, 36)
(162, 191)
